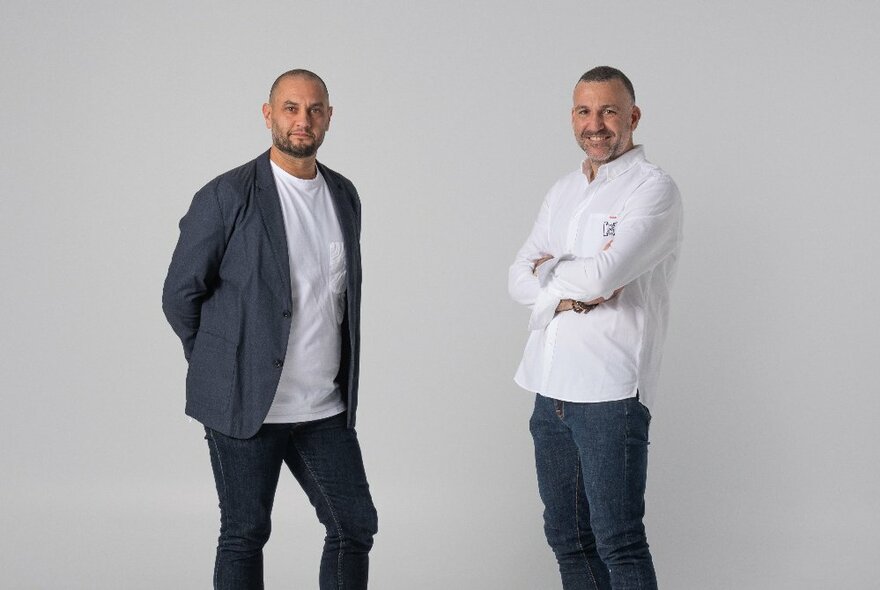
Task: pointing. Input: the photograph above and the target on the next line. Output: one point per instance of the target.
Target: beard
(284, 144)
(605, 155)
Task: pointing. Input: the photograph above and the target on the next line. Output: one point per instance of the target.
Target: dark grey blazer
(227, 296)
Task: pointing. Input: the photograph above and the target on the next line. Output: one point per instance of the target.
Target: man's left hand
(566, 304)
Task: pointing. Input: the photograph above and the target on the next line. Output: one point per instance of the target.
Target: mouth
(596, 138)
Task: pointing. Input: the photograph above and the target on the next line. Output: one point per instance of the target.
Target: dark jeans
(592, 461)
(325, 458)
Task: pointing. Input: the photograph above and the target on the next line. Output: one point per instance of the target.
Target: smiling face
(298, 113)
(603, 118)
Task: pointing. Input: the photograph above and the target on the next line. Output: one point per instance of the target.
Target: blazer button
(278, 363)
(285, 314)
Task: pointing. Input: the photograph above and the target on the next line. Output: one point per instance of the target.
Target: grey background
(452, 120)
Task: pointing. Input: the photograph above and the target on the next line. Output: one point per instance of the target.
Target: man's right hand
(538, 262)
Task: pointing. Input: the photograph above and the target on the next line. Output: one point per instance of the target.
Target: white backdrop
(452, 120)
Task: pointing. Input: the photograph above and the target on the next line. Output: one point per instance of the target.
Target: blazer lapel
(346, 216)
(269, 205)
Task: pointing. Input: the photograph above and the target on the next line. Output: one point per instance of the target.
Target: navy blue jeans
(592, 461)
(325, 458)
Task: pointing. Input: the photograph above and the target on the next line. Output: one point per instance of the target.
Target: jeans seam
(225, 495)
(626, 451)
(332, 513)
(577, 521)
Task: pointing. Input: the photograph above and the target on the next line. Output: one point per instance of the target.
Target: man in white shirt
(596, 271)
(264, 292)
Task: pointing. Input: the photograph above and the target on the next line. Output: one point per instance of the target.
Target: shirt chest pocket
(337, 274)
(595, 234)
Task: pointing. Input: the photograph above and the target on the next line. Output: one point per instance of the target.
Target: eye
(609, 112)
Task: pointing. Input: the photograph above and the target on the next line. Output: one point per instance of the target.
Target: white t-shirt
(614, 350)
(308, 389)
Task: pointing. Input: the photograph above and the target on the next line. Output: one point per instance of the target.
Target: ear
(267, 115)
(329, 116)
(636, 117)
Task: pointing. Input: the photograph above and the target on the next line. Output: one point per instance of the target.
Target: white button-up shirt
(623, 229)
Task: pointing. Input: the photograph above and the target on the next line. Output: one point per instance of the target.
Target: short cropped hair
(606, 73)
(298, 73)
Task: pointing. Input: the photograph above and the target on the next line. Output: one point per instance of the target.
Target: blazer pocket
(211, 372)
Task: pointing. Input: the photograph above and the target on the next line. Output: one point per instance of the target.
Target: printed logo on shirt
(608, 228)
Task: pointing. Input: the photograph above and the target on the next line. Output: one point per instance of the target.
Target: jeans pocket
(647, 412)
(638, 421)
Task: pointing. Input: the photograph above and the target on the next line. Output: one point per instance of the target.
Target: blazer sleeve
(192, 274)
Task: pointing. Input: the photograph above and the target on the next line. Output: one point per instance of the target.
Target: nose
(595, 122)
(302, 120)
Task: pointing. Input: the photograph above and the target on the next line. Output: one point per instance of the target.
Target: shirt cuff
(543, 310)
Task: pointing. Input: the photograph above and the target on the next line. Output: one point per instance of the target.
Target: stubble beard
(616, 148)
(606, 156)
(283, 143)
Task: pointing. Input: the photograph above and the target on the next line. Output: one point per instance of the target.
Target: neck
(591, 168)
(305, 168)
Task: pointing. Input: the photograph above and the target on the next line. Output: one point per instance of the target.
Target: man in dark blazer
(264, 292)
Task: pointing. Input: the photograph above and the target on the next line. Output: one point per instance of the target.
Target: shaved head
(298, 73)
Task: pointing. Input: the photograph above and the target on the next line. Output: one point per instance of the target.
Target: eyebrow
(601, 107)
(296, 104)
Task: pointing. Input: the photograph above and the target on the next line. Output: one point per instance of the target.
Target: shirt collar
(616, 167)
